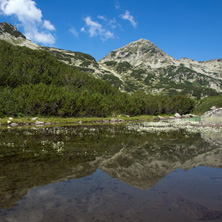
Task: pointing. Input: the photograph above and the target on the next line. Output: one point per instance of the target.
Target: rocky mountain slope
(84, 61)
(140, 65)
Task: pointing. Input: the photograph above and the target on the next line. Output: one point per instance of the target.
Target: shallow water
(132, 172)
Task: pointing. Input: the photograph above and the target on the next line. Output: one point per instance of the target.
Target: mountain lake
(153, 172)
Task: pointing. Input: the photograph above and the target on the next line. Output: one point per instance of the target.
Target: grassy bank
(72, 120)
(205, 104)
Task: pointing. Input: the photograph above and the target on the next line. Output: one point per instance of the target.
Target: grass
(73, 120)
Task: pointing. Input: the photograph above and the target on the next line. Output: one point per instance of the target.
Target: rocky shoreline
(212, 118)
(35, 122)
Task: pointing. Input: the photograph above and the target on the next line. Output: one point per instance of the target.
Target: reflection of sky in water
(181, 196)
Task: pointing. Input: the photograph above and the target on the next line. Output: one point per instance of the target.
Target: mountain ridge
(140, 65)
(160, 71)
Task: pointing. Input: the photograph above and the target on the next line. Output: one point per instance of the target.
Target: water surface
(133, 172)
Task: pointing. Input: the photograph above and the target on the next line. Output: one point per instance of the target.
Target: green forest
(33, 82)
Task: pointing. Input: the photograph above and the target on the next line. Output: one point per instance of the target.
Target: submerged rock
(212, 117)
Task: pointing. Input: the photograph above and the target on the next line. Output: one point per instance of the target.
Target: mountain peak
(139, 52)
(10, 29)
(144, 41)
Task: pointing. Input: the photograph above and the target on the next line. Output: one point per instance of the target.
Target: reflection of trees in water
(139, 159)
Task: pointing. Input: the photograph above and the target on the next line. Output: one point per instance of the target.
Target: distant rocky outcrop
(212, 117)
(84, 61)
(10, 34)
(6, 28)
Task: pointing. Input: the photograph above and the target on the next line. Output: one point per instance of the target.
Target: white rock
(14, 124)
(34, 118)
(10, 118)
(113, 120)
(212, 117)
(39, 123)
(177, 115)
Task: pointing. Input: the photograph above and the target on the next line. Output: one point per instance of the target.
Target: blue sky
(181, 28)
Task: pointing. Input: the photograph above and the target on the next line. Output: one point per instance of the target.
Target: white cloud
(96, 29)
(47, 24)
(109, 35)
(43, 37)
(83, 29)
(24, 9)
(113, 23)
(129, 17)
(30, 17)
(102, 17)
(74, 32)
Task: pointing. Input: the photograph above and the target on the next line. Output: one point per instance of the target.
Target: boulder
(177, 115)
(34, 118)
(212, 117)
(14, 124)
(39, 123)
(213, 107)
(113, 120)
(161, 118)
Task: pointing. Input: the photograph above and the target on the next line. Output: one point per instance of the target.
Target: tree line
(33, 82)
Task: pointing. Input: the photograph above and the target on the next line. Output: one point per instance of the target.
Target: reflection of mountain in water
(145, 166)
(141, 160)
